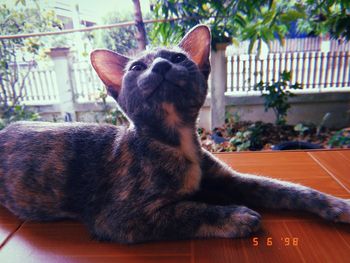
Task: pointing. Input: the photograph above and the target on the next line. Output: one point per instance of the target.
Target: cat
(151, 180)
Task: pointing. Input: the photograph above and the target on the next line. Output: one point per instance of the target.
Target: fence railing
(41, 87)
(85, 82)
(68, 87)
(296, 45)
(308, 44)
(316, 71)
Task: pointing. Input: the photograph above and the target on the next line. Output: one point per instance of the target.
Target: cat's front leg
(222, 184)
(193, 220)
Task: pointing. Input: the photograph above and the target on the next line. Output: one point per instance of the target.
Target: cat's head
(162, 84)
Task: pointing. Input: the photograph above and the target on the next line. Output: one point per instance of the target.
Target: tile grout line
(192, 251)
(342, 238)
(329, 172)
(130, 256)
(10, 235)
(297, 248)
(342, 154)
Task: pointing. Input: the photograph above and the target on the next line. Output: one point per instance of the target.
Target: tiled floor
(286, 236)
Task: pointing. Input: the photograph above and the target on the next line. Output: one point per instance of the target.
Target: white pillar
(62, 66)
(218, 86)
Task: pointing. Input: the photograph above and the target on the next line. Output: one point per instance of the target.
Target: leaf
(286, 75)
(246, 134)
(23, 2)
(251, 44)
(269, 17)
(291, 15)
(240, 20)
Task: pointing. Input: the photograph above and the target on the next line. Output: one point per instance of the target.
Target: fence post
(218, 86)
(62, 66)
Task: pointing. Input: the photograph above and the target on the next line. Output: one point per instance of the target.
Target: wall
(70, 88)
(84, 112)
(305, 108)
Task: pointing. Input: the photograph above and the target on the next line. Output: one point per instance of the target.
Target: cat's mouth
(152, 83)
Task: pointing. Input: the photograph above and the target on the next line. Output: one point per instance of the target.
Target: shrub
(277, 94)
(18, 113)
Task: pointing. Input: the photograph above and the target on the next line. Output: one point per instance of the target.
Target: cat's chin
(191, 110)
(153, 82)
(151, 89)
(149, 85)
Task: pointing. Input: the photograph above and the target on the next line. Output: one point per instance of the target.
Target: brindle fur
(151, 180)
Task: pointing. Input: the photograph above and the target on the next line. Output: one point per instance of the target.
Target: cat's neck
(182, 139)
(169, 126)
(172, 136)
(173, 132)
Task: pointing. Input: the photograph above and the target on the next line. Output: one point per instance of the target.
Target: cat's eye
(177, 58)
(138, 66)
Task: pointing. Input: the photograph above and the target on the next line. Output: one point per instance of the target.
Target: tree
(17, 56)
(260, 20)
(141, 36)
(120, 39)
(327, 16)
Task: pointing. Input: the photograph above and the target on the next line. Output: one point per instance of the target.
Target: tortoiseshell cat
(152, 180)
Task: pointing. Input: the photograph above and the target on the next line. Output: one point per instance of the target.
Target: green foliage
(2, 124)
(19, 113)
(121, 39)
(327, 16)
(340, 139)
(261, 20)
(166, 34)
(277, 94)
(232, 117)
(115, 116)
(112, 115)
(241, 140)
(301, 129)
(248, 139)
(230, 120)
(24, 18)
(257, 131)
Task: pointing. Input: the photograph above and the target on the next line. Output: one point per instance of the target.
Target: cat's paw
(244, 221)
(240, 222)
(338, 210)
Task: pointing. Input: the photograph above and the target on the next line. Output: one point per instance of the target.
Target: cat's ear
(109, 67)
(197, 44)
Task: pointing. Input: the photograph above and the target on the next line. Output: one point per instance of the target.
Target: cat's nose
(161, 66)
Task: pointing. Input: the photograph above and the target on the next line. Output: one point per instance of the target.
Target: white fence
(41, 87)
(69, 87)
(315, 71)
(86, 83)
(308, 44)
